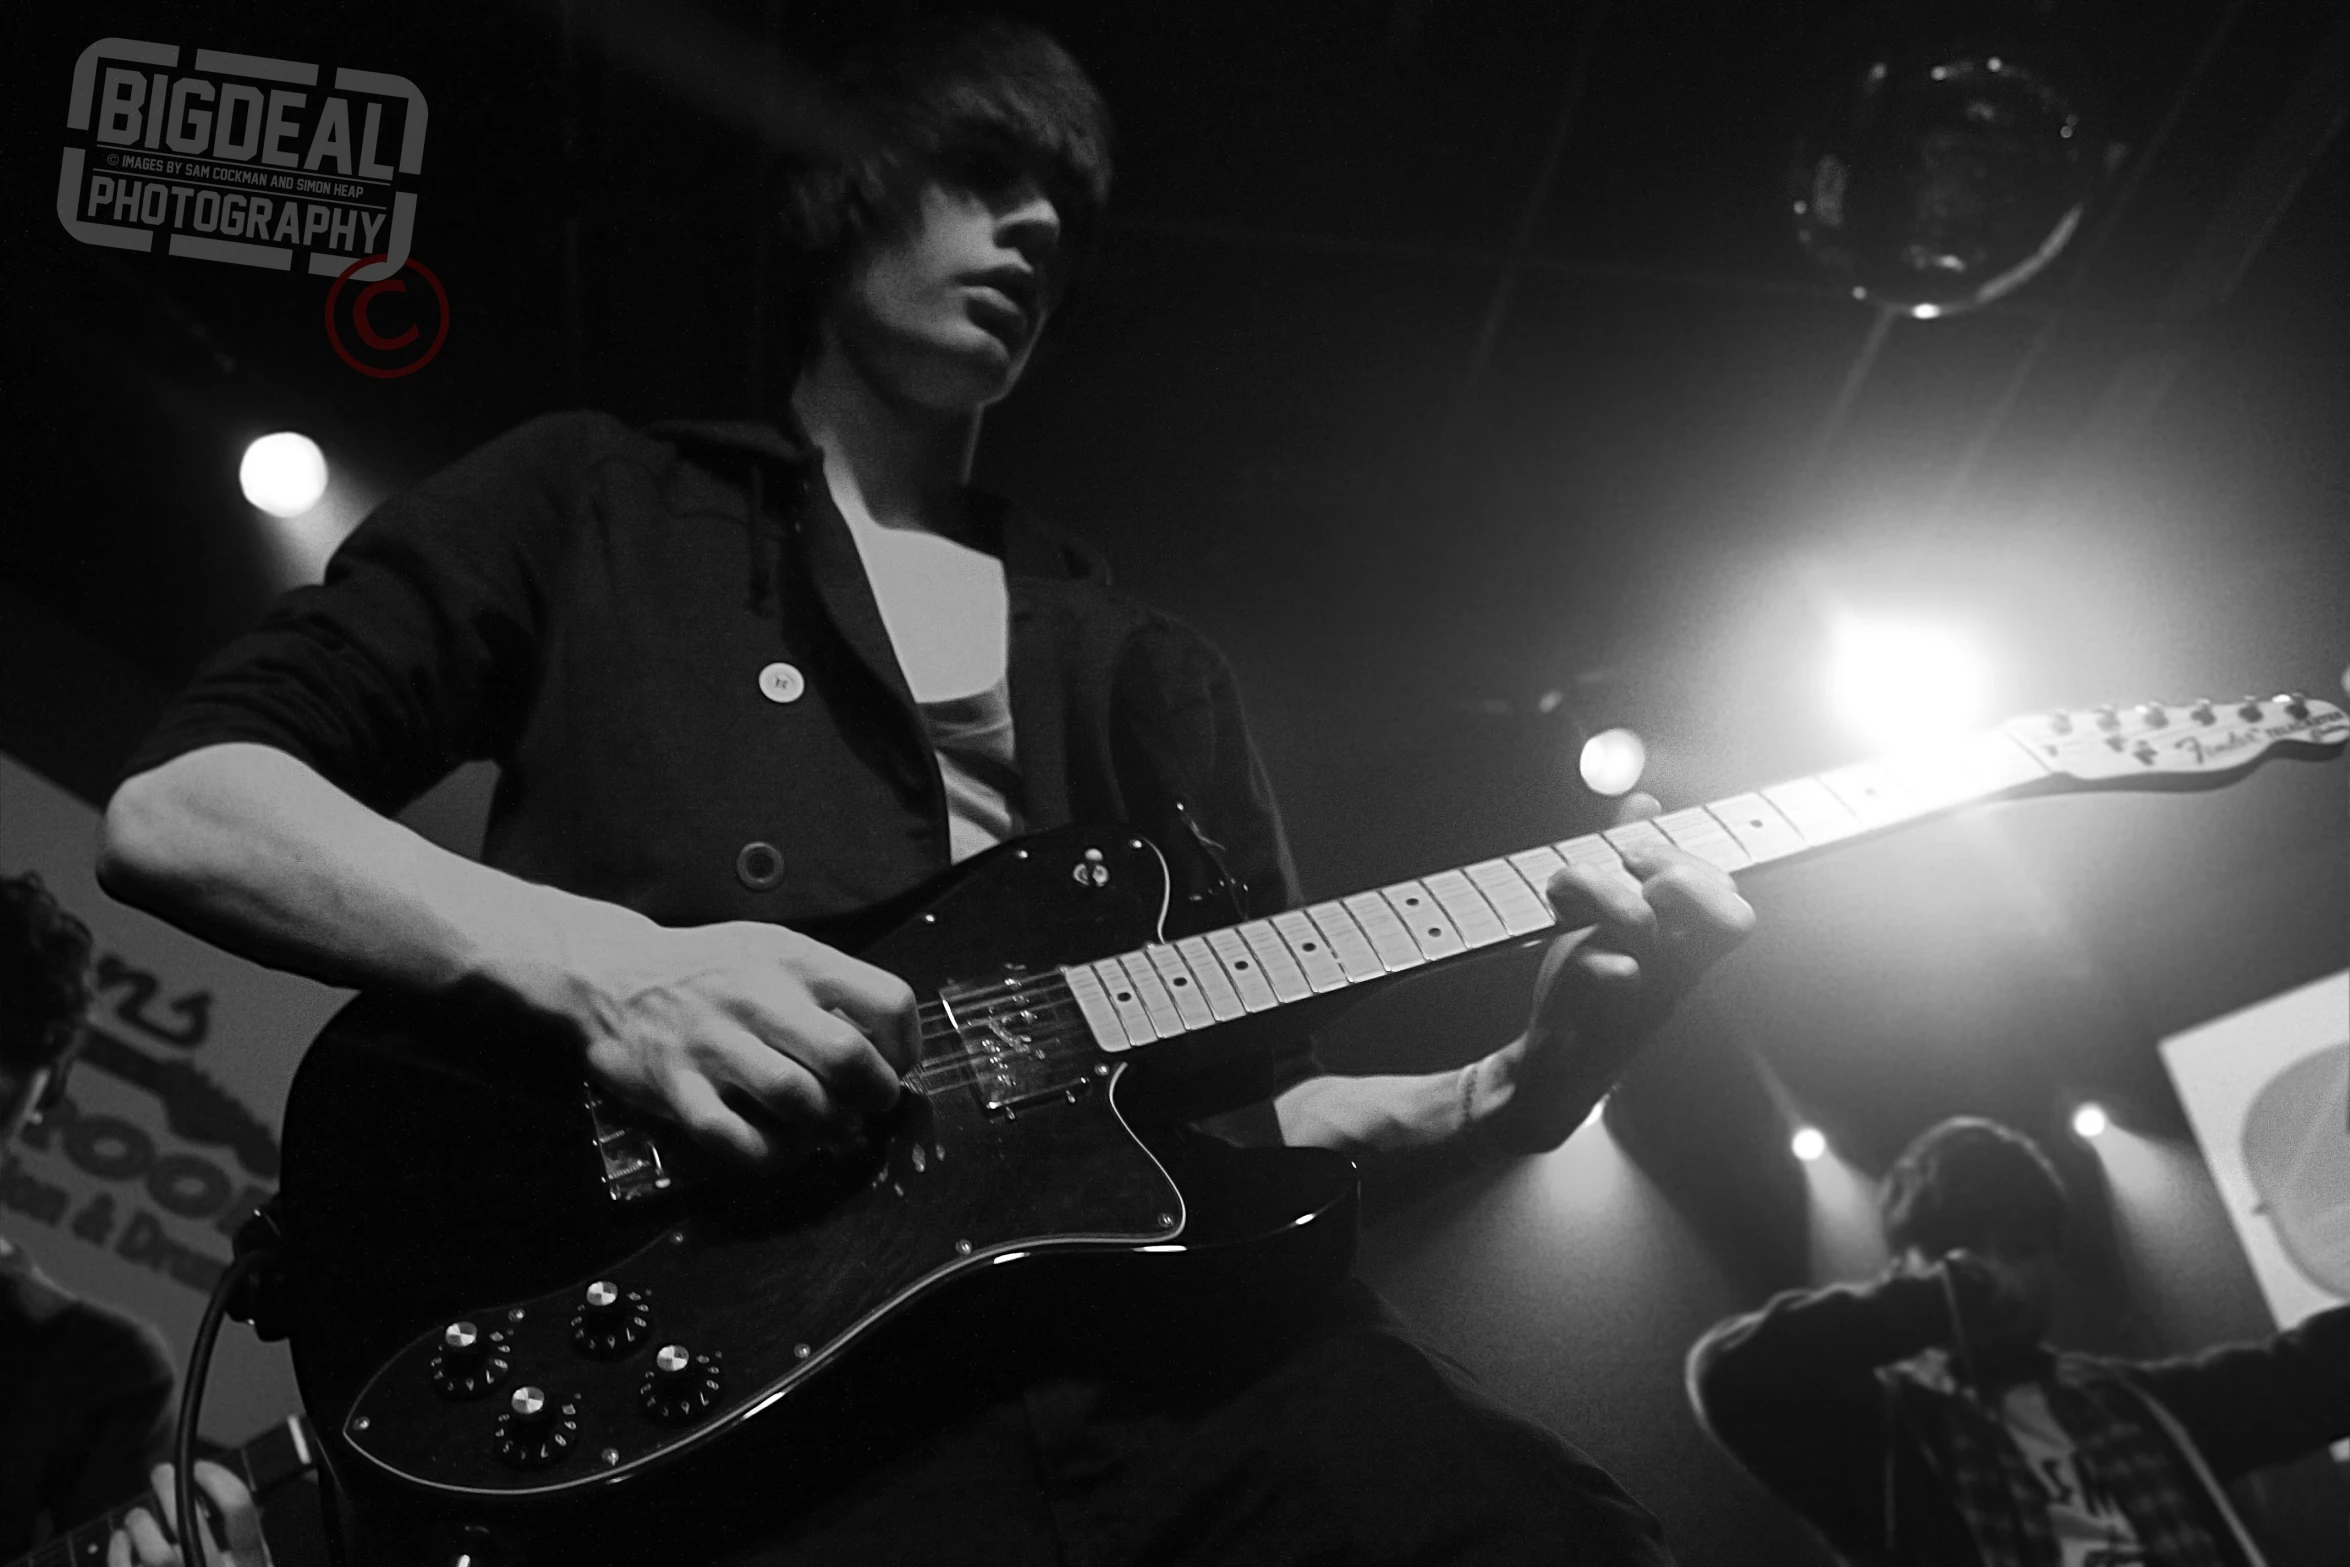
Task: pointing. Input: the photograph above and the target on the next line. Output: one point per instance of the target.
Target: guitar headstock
(2180, 743)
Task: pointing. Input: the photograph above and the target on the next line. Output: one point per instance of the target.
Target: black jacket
(593, 608)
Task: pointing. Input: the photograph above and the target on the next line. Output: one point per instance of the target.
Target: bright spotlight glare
(1809, 1143)
(2090, 1121)
(1899, 683)
(1598, 1109)
(1612, 761)
(283, 474)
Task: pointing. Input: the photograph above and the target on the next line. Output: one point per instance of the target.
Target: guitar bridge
(1014, 1072)
(631, 1159)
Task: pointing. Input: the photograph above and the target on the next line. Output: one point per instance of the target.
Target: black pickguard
(440, 1167)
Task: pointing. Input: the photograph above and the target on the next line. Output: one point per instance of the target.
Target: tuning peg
(2060, 722)
(2154, 715)
(2201, 712)
(2108, 719)
(2295, 703)
(2250, 710)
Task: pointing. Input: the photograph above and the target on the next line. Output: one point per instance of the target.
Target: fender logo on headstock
(2204, 749)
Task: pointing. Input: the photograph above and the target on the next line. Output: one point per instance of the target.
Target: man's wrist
(1483, 1092)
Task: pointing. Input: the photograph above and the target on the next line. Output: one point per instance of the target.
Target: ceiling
(1435, 358)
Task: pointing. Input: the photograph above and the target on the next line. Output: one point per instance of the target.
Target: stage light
(283, 474)
(1902, 682)
(1598, 1109)
(2090, 1121)
(1612, 761)
(1809, 1143)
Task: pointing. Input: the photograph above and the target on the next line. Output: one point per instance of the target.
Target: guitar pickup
(1013, 1072)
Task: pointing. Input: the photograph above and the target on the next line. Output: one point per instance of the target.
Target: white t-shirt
(2089, 1526)
(947, 610)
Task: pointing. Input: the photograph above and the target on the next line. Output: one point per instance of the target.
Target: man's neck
(887, 461)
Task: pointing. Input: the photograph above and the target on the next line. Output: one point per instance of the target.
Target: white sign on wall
(2267, 1090)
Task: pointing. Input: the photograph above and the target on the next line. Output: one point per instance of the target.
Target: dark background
(1437, 357)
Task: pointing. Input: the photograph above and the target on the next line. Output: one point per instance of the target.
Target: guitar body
(439, 1171)
(749, 1348)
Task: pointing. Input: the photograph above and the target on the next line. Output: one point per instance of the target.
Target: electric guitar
(281, 1453)
(531, 1321)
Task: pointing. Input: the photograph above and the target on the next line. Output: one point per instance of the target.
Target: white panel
(1126, 1000)
(1086, 987)
(1223, 1001)
(1389, 939)
(1759, 828)
(1817, 814)
(1347, 940)
(1471, 914)
(1155, 999)
(1313, 952)
(1870, 793)
(1696, 830)
(1191, 1004)
(1289, 982)
(1425, 918)
(1523, 910)
(1248, 975)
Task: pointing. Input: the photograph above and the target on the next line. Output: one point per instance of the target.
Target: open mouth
(1004, 301)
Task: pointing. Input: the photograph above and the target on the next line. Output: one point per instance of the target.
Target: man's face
(943, 314)
(2025, 1271)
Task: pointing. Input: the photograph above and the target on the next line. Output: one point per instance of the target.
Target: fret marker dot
(1305, 946)
(1179, 981)
(1125, 995)
(1240, 963)
(1436, 930)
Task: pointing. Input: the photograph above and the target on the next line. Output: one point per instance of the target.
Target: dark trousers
(1339, 1440)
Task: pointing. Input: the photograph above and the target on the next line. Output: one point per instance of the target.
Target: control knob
(681, 1384)
(610, 1322)
(536, 1428)
(469, 1362)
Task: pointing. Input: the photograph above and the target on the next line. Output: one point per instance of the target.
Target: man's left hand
(1656, 923)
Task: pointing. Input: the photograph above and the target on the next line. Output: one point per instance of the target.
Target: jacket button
(781, 683)
(759, 866)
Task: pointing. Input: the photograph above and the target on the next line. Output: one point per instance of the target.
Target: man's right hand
(759, 1041)
(1997, 1301)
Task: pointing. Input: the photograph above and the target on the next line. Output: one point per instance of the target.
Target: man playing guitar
(742, 677)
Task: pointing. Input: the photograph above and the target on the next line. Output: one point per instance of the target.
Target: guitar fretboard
(277, 1455)
(1165, 990)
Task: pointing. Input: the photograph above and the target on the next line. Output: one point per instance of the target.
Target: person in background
(85, 1393)
(1922, 1419)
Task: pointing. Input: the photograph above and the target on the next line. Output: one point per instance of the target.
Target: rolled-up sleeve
(420, 649)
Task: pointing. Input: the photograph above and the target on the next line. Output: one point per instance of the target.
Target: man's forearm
(1406, 1132)
(250, 848)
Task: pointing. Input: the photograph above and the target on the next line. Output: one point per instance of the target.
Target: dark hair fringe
(1966, 1179)
(44, 973)
(980, 99)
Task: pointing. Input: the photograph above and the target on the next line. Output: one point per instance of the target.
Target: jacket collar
(1037, 564)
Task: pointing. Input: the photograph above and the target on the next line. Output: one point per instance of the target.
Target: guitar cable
(183, 1447)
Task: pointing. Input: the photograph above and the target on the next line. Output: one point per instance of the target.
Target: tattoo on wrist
(1475, 1136)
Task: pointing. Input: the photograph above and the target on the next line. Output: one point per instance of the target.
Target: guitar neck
(1166, 990)
(277, 1455)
